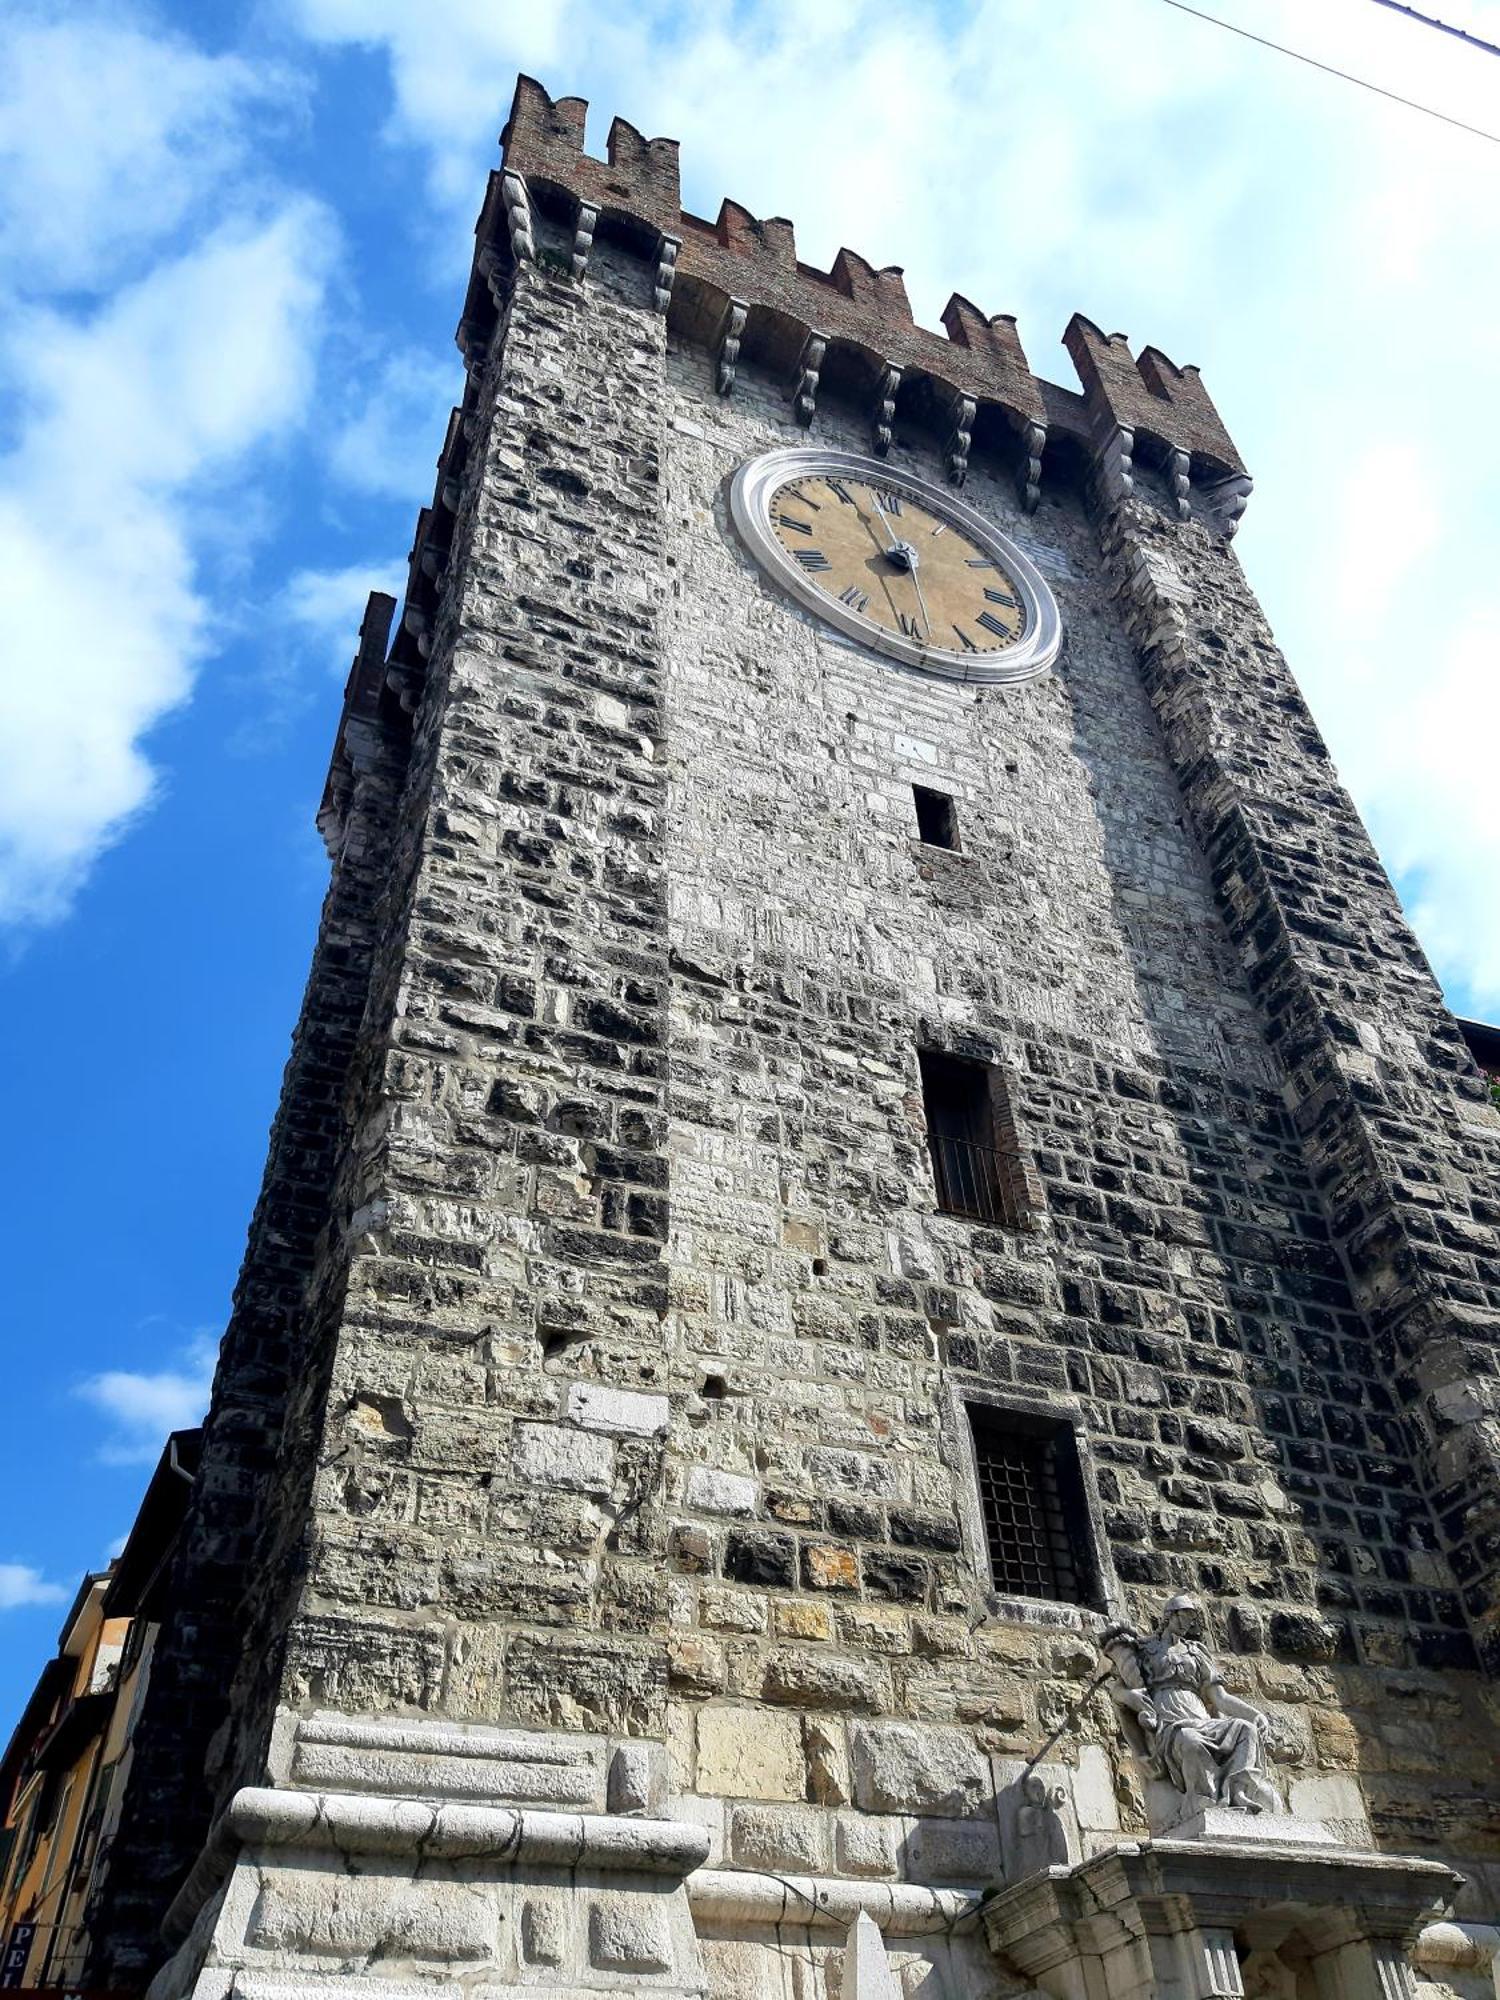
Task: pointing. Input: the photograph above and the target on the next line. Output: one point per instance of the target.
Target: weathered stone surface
(629, 1934)
(773, 1837)
(711, 1492)
(553, 1457)
(750, 1753)
(907, 1767)
(621, 1411)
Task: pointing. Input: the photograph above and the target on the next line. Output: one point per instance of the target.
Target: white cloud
(445, 59)
(109, 136)
(325, 606)
(389, 444)
(20, 1585)
(126, 413)
(142, 1408)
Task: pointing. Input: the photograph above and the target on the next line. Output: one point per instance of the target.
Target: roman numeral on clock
(854, 597)
(812, 559)
(909, 625)
(964, 640)
(837, 487)
(992, 624)
(979, 562)
(891, 502)
(1002, 597)
(797, 527)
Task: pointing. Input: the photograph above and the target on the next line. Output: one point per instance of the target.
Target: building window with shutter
(975, 1162)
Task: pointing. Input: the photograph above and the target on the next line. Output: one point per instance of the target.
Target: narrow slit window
(937, 822)
(1032, 1504)
(973, 1174)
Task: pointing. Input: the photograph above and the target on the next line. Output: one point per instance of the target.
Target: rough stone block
(547, 1455)
(637, 1778)
(623, 1412)
(825, 1680)
(951, 1850)
(629, 1933)
(917, 1768)
(750, 1753)
(544, 1930)
(865, 1845)
(362, 1915)
(779, 1837)
(710, 1492)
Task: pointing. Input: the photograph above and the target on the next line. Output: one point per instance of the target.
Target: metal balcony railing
(974, 1180)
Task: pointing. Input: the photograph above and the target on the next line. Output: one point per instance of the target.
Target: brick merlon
(859, 308)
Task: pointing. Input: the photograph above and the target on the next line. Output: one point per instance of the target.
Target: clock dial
(898, 564)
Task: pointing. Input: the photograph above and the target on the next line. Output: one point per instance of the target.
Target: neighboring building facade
(62, 1776)
(867, 1363)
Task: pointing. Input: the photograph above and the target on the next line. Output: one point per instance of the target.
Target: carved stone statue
(1200, 1738)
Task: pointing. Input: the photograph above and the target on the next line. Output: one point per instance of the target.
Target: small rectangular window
(974, 1175)
(937, 823)
(1032, 1504)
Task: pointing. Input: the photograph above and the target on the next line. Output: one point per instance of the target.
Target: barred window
(1032, 1504)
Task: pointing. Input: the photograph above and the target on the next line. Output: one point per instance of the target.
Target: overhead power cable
(1328, 69)
(1445, 27)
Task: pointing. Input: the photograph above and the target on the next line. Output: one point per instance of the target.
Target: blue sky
(233, 240)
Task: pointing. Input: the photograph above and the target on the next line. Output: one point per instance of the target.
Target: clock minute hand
(921, 600)
(890, 533)
(906, 558)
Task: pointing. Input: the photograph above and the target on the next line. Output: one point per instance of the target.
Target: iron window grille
(1031, 1502)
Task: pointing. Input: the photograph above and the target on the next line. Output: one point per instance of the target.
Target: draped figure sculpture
(1200, 1738)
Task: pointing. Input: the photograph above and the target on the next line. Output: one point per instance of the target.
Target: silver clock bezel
(750, 495)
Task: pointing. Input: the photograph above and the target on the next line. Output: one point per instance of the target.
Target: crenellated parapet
(1152, 406)
(736, 286)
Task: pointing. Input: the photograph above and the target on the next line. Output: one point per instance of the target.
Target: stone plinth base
(1219, 1823)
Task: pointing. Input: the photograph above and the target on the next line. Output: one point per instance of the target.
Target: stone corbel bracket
(667, 253)
(1226, 500)
(961, 413)
(1115, 466)
(517, 200)
(809, 367)
(1029, 484)
(583, 236)
(736, 311)
(1178, 478)
(887, 383)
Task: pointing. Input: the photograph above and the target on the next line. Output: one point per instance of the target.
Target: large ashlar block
(915, 1768)
(622, 1412)
(750, 1753)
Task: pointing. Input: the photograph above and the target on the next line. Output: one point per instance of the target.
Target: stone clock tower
(867, 1365)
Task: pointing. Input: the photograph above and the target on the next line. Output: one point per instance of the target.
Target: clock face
(898, 564)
